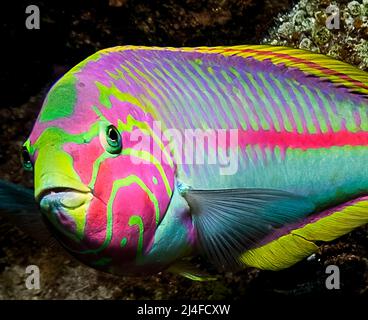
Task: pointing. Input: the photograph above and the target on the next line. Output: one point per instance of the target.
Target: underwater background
(69, 32)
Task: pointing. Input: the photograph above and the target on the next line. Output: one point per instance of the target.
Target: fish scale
(298, 101)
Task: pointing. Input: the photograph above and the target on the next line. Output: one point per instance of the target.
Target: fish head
(102, 195)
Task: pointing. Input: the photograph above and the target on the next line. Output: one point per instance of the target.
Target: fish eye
(26, 159)
(113, 139)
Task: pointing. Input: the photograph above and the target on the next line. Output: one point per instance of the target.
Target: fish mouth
(57, 190)
(61, 197)
(66, 209)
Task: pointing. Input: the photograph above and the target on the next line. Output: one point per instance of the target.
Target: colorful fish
(248, 155)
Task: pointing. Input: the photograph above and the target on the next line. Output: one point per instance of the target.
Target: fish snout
(66, 210)
(57, 182)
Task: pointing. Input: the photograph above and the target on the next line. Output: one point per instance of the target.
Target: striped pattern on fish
(301, 127)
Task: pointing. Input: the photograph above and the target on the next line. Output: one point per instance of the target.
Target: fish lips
(66, 206)
(67, 198)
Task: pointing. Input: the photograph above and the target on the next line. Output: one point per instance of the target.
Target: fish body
(249, 155)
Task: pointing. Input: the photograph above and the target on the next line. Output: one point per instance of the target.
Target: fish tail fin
(15, 198)
(17, 204)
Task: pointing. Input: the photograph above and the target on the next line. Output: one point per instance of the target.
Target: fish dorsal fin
(319, 65)
(230, 221)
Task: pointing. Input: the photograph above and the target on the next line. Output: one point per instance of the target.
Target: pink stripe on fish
(302, 140)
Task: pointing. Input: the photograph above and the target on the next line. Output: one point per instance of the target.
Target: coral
(335, 28)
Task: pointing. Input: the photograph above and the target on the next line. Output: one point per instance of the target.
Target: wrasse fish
(280, 158)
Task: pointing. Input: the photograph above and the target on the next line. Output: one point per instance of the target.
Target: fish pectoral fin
(188, 270)
(17, 204)
(230, 221)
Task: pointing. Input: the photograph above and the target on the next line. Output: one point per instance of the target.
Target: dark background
(32, 60)
(71, 31)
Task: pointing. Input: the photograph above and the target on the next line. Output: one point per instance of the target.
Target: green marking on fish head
(154, 180)
(61, 100)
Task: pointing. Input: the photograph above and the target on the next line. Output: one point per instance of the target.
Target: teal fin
(231, 221)
(190, 271)
(17, 204)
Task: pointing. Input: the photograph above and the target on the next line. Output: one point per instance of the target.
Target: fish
(147, 157)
